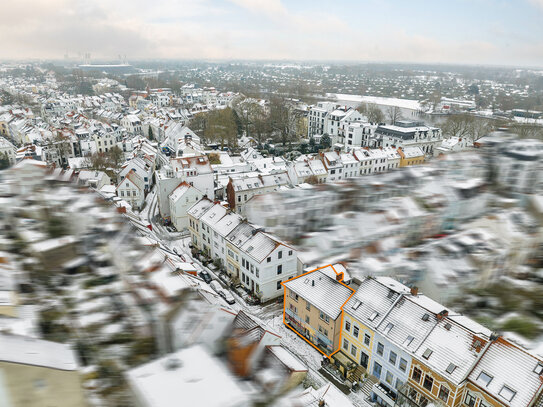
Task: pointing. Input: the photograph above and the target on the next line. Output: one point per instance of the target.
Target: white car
(216, 286)
(229, 298)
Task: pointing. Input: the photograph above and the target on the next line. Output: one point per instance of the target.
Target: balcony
(386, 396)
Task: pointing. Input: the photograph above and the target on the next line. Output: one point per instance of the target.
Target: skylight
(448, 326)
(388, 328)
(373, 316)
(539, 368)
(356, 304)
(450, 368)
(425, 317)
(408, 340)
(507, 393)
(427, 353)
(484, 378)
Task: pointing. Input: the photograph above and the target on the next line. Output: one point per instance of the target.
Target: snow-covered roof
(190, 374)
(325, 293)
(36, 352)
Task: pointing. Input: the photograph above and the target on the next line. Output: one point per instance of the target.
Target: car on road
(207, 278)
(229, 298)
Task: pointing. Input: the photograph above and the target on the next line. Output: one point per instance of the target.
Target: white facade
(181, 199)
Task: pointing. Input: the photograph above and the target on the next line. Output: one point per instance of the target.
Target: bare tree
(458, 125)
(375, 115)
(394, 114)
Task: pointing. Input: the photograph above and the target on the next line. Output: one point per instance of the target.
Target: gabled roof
(511, 366)
(200, 207)
(450, 343)
(321, 291)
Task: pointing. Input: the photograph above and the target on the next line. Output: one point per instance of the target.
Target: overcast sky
(500, 32)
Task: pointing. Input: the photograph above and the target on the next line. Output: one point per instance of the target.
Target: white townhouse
(194, 214)
(240, 190)
(332, 163)
(351, 166)
(181, 199)
(132, 124)
(132, 189)
(259, 260)
(140, 167)
(265, 263)
(195, 171)
(216, 223)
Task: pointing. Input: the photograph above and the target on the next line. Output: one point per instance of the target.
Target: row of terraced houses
(412, 350)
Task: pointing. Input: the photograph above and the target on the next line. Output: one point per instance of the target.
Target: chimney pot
(414, 291)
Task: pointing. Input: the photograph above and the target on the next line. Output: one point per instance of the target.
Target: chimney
(322, 403)
(339, 277)
(414, 291)
(442, 315)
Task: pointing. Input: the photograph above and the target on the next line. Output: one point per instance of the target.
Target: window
(470, 400)
(290, 252)
(398, 384)
(268, 259)
(307, 319)
(355, 331)
(380, 349)
(377, 370)
(294, 296)
(367, 340)
(324, 317)
(345, 344)
(353, 350)
(279, 285)
(392, 358)
(484, 378)
(389, 378)
(280, 254)
(428, 383)
(347, 326)
(307, 306)
(403, 364)
(417, 374)
(279, 269)
(507, 393)
(443, 393)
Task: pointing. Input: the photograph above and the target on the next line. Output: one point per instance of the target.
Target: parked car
(216, 286)
(206, 277)
(229, 298)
